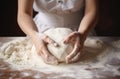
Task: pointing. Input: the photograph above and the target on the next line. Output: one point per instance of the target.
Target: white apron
(58, 13)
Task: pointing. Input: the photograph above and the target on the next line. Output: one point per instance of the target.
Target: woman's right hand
(26, 23)
(40, 41)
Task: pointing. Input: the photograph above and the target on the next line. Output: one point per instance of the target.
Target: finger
(69, 37)
(76, 49)
(48, 57)
(72, 54)
(39, 53)
(75, 59)
(48, 40)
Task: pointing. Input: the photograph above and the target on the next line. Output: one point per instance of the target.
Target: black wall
(8, 19)
(108, 24)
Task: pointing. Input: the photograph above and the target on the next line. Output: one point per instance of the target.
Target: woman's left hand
(78, 40)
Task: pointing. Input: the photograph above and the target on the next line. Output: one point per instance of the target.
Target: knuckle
(51, 41)
(74, 54)
(44, 37)
(39, 51)
(78, 47)
(69, 38)
(73, 33)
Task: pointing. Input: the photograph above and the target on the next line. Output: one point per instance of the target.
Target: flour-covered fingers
(76, 58)
(48, 57)
(73, 53)
(48, 40)
(70, 37)
(77, 48)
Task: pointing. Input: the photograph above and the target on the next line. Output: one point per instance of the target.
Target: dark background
(108, 24)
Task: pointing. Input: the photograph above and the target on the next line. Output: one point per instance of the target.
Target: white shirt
(58, 13)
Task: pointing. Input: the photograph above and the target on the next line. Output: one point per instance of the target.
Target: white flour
(20, 54)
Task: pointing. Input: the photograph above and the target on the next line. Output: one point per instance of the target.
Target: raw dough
(21, 54)
(58, 35)
(21, 51)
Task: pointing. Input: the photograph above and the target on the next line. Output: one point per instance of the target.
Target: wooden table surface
(7, 73)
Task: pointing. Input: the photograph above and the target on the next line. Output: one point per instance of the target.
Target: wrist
(33, 34)
(83, 36)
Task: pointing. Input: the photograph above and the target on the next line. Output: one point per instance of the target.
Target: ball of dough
(58, 35)
(94, 43)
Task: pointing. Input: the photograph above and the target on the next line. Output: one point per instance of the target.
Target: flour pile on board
(21, 54)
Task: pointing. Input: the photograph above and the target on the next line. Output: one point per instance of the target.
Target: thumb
(48, 40)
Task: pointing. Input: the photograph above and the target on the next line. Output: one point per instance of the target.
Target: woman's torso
(58, 13)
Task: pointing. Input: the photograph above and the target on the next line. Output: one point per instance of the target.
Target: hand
(77, 40)
(40, 41)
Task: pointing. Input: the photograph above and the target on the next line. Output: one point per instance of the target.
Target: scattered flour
(21, 54)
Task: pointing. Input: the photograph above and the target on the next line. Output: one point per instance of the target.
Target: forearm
(90, 17)
(24, 17)
(88, 23)
(27, 24)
